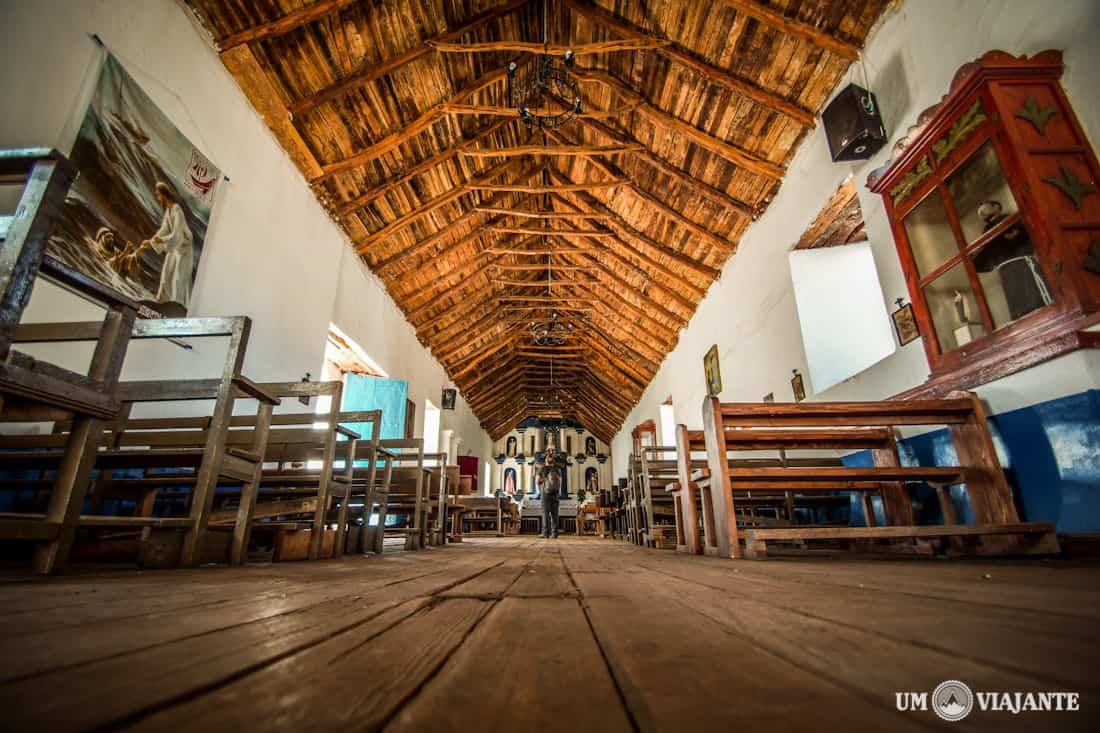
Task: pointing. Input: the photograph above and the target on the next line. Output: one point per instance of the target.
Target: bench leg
(67, 497)
(755, 549)
(868, 509)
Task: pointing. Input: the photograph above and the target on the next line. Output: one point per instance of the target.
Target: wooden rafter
(751, 162)
(408, 131)
(641, 242)
(382, 265)
(580, 49)
(549, 231)
(755, 9)
(371, 73)
(543, 214)
(436, 203)
(721, 198)
(575, 151)
(708, 71)
(285, 24)
(714, 240)
(370, 196)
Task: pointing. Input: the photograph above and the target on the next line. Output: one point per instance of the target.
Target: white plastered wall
(750, 312)
(272, 253)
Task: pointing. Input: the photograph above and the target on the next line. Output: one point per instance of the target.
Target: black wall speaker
(853, 125)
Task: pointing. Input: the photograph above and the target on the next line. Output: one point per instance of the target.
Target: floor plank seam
(136, 716)
(446, 658)
(615, 681)
(209, 632)
(427, 601)
(951, 653)
(923, 596)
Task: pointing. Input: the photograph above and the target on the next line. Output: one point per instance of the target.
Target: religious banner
(136, 217)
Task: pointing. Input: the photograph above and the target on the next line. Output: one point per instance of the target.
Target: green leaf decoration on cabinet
(1073, 187)
(1036, 115)
(962, 128)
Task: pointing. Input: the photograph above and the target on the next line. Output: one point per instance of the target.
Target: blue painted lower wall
(1050, 452)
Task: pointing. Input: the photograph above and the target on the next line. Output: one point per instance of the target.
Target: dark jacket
(551, 481)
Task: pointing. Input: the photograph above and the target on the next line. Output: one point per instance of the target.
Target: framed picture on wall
(712, 371)
(798, 387)
(905, 324)
(449, 396)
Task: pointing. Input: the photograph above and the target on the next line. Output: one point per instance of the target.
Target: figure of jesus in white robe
(174, 241)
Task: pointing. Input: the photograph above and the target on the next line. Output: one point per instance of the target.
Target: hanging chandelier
(551, 331)
(545, 95)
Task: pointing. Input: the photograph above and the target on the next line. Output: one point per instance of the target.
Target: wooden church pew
(203, 456)
(370, 487)
(854, 425)
(655, 504)
(404, 496)
(309, 466)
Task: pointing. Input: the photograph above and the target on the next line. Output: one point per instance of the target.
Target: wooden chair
(855, 425)
(308, 472)
(658, 467)
(403, 495)
(32, 390)
(204, 456)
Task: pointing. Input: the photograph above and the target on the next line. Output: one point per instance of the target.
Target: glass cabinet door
(970, 223)
(980, 193)
(930, 236)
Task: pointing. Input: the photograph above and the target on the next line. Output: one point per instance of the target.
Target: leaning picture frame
(798, 387)
(712, 371)
(905, 324)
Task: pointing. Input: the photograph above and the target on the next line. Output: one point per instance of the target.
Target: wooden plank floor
(531, 634)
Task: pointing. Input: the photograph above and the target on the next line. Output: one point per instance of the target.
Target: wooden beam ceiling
(397, 115)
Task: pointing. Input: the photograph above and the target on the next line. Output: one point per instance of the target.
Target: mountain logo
(952, 700)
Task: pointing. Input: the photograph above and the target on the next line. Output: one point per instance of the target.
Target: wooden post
(202, 498)
(721, 493)
(415, 540)
(75, 470)
(379, 536)
(242, 527)
(47, 184)
(990, 495)
(895, 495)
(365, 544)
(317, 538)
(686, 501)
(868, 509)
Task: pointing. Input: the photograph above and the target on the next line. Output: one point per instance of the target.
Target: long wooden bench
(484, 515)
(757, 503)
(1038, 537)
(849, 426)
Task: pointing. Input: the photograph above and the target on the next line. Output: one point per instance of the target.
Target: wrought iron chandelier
(545, 95)
(551, 331)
